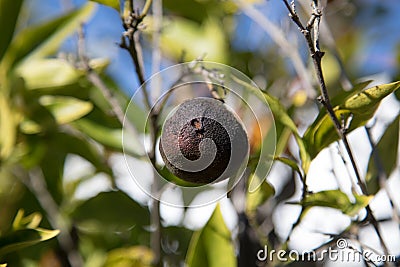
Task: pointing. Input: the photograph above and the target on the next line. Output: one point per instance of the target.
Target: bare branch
(95, 79)
(279, 38)
(130, 41)
(316, 56)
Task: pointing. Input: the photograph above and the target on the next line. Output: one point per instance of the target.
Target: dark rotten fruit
(203, 142)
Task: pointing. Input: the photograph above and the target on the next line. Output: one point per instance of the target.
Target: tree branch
(279, 38)
(316, 56)
(130, 41)
(95, 79)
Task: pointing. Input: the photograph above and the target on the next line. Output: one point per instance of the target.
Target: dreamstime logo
(207, 113)
(345, 252)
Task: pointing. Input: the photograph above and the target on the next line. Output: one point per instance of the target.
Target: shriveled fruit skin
(203, 142)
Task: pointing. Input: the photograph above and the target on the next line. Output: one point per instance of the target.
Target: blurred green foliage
(49, 110)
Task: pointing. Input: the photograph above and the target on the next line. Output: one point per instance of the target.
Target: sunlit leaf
(31, 221)
(281, 115)
(24, 238)
(7, 128)
(44, 40)
(181, 35)
(111, 3)
(136, 256)
(71, 24)
(66, 109)
(355, 111)
(365, 100)
(336, 199)
(343, 95)
(384, 156)
(166, 174)
(30, 127)
(9, 11)
(258, 197)
(109, 137)
(45, 73)
(212, 246)
(331, 63)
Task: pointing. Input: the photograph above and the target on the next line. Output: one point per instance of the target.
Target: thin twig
(330, 43)
(130, 41)
(95, 79)
(316, 56)
(278, 36)
(36, 183)
(156, 49)
(156, 85)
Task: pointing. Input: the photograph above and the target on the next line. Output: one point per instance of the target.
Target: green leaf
(343, 95)
(383, 157)
(136, 256)
(111, 3)
(281, 115)
(109, 137)
(368, 99)
(166, 174)
(335, 199)
(180, 35)
(80, 146)
(7, 127)
(31, 221)
(292, 164)
(357, 110)
(46, 73)
(24, 238)
(258, 197)
(9, 11)
(212, 246)
(44, 40)
(112, 211)
(66, 109)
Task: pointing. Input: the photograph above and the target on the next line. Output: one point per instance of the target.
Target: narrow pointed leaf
(47, 73)
(281, 115)
(355, 111)
(111, 3)
(9, 11)
(212, 246)
(7, 128)
(24, 238)
(384, 157)
(66, 109)
(336, 199)
(44, 39)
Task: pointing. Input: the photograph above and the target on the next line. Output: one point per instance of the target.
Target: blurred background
(62, 164)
